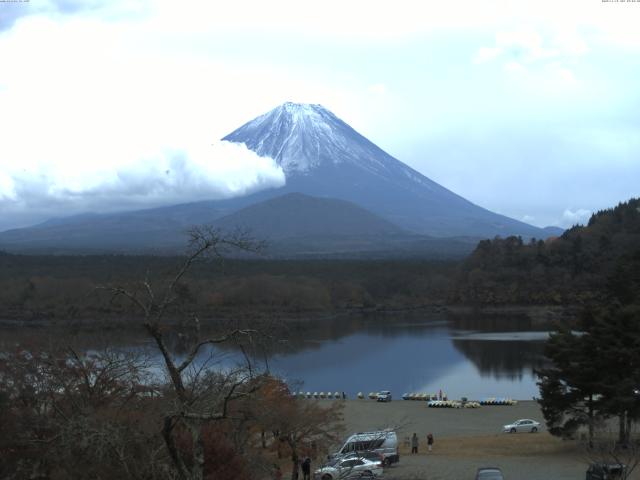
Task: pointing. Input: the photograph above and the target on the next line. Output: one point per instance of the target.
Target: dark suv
(489, 473)
(606, 471)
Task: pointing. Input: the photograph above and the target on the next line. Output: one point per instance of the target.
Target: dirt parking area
(522, 456)
(466, 439)
(414, 416)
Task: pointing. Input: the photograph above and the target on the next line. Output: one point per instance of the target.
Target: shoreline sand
(467, 439)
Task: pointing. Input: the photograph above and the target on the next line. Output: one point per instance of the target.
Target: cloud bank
(90, 123)
(164, 177)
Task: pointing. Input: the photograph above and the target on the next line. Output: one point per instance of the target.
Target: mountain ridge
(322, 155)
(298, 215)
(294, 225)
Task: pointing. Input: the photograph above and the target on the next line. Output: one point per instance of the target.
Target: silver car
(349, 468)
(384, 396)
(523, 425)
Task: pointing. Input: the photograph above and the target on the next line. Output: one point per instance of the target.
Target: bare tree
(71, 415)
(200, 396)
(299, 427)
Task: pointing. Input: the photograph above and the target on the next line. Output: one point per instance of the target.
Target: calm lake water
(471, 357)
(407, 355)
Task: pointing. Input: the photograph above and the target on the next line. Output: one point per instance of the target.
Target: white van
(383, 442)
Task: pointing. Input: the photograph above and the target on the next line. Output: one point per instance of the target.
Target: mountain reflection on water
(426, 353)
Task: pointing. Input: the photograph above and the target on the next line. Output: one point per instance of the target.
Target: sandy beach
(466, 439)
(408, 416)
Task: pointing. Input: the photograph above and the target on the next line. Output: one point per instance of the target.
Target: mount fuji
(342, 194)
(323, 156)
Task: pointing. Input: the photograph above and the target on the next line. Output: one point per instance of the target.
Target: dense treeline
(63, 287)
(595, 375)
(570, 270)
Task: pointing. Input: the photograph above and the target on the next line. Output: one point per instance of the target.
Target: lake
(472, 357)
(425, 355)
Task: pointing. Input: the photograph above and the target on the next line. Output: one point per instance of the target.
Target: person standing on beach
(414, 443)
(306, 469)
(429, 441)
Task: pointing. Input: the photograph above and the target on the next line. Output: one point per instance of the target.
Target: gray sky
(530, 109)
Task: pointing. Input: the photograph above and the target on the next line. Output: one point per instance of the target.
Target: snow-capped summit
(296, 135)
(321, 155)
(302, 137)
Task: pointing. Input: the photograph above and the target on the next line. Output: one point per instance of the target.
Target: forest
(570, 270)
(573, 269)
(63, 289)
(593, 376)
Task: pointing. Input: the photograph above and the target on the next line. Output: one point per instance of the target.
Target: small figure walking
(429, 441)
(277, 475)
(306, 469)
(414, 444)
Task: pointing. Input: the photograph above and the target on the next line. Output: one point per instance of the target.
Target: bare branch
(148, 287)
(211, 341)
(119, 291)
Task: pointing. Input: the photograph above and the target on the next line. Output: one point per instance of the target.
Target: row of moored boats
(434, 401)
(317, 394)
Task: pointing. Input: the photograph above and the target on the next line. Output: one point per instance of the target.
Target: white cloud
(538, 65)
(92, 122)
(377, 89)
(532, 46)
(7, 187)
(524, 44)
(486, 54)
(365, 19)
(578, 216)
(163, 177)
(515, 68)
(331, 19)
(565, 75)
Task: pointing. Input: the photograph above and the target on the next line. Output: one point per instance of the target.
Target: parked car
(383, 442)
(489, 473)
(523, 425)
(384, 396)
(349, 468)
(370, 455)
(605, 471)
